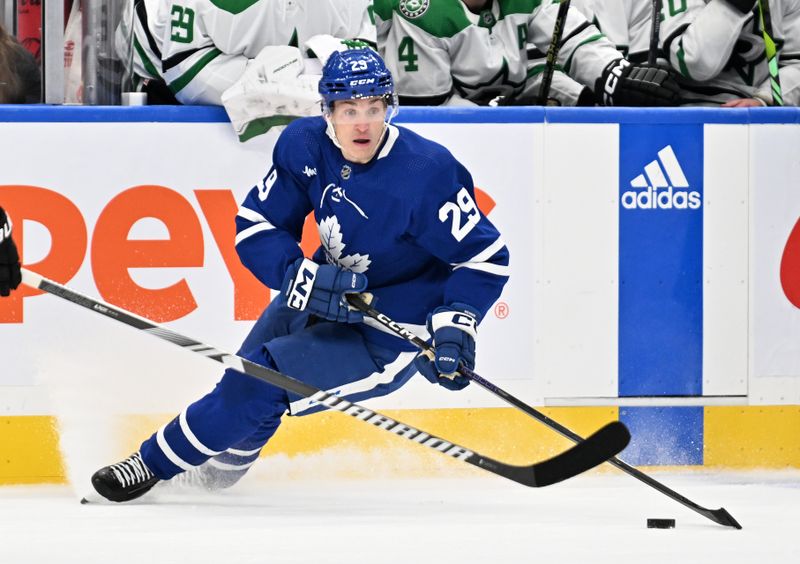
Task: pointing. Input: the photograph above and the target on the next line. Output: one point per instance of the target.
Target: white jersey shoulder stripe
(488, 252)
(250, 231)
(250, 215)
(498, 269)
(478, 262)
(261, 224)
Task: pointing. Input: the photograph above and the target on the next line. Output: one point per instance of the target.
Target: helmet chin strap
(330, 131)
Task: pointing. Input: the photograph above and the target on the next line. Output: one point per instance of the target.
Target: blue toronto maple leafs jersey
(408, 220)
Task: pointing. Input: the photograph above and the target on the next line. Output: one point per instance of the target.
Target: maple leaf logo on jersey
(330, 234)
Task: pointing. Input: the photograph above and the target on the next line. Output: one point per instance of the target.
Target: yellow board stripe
(752, 437)
(29, 450)
(735, 437)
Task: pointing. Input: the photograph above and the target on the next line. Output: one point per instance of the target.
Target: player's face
(359, 126)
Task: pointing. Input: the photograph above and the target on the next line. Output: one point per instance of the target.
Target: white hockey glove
(272, 91)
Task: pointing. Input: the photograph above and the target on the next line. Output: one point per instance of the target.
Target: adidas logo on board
(662, 185)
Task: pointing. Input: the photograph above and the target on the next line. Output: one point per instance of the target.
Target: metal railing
(101, 69)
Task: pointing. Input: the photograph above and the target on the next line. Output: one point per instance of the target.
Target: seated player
(718, 47)
(476, 52)
(197, 49)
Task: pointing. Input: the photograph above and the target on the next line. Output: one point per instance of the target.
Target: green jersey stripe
(146, 62)
(233, 6)
(179, 84)
(586, 41)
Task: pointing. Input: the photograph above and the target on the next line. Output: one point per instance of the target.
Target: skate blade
(94, 498)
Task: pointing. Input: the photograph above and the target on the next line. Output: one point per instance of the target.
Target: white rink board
(556, 193)
(725, 260)
(90, 168)
(577, 265)
(775, 212)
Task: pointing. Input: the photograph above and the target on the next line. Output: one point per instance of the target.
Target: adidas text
(665, 199)
(663, 185)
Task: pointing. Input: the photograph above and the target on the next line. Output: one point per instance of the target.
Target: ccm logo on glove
(640, 85)
(454, 329)
(615, 73)
(464, 320)
(300, 286)
(320, 289)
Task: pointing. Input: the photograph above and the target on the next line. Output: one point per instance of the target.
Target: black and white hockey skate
(125, 480)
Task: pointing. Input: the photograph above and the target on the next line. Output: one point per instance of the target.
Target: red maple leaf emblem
(790, 266)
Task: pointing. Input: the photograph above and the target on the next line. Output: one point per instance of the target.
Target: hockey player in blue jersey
(397, 218)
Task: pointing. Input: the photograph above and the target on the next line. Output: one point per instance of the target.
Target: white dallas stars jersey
(626, 23)
(436, 48)
(200, 47)
(720, 51)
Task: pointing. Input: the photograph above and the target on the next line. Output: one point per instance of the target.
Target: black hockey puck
(661, 523)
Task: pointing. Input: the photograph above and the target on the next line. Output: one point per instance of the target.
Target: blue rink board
(216, 114)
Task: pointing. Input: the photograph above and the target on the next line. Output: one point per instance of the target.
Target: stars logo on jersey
(330, 235)
(413, 8)
(488, 19)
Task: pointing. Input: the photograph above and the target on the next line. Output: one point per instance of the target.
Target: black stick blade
(722, 517)
(585, 455)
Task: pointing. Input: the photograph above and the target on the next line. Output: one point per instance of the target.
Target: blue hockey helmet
(356, 73)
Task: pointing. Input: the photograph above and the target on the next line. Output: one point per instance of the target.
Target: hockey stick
(720, 516)
(552, 52)
(655, 32)
(771, 52)
(595, 450)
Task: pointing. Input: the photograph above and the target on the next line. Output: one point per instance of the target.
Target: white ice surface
(595, 518)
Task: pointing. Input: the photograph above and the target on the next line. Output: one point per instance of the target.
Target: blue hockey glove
(10, 275)
(454, 330)
(320, 289)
